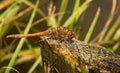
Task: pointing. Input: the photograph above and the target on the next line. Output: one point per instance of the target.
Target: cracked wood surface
(66, 54)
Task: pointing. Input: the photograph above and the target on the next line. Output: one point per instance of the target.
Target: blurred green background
(93, 21)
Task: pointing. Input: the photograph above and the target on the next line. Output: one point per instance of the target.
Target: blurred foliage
(16, 17)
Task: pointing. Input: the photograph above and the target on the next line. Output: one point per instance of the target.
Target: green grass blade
(79, 11)
(27, 2)
(62, 9)
(113, 29)
(52, 21)
(109, 20)
(115, 37)
(76, 6)
(7, 15)
(89, 33)
(39, 20)
(35, 65)
(12, 61)
(14, 5)
(27, 43)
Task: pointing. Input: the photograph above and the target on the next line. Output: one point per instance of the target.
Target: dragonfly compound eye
(70, 34)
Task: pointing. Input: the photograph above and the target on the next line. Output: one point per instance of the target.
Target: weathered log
(66, 54)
